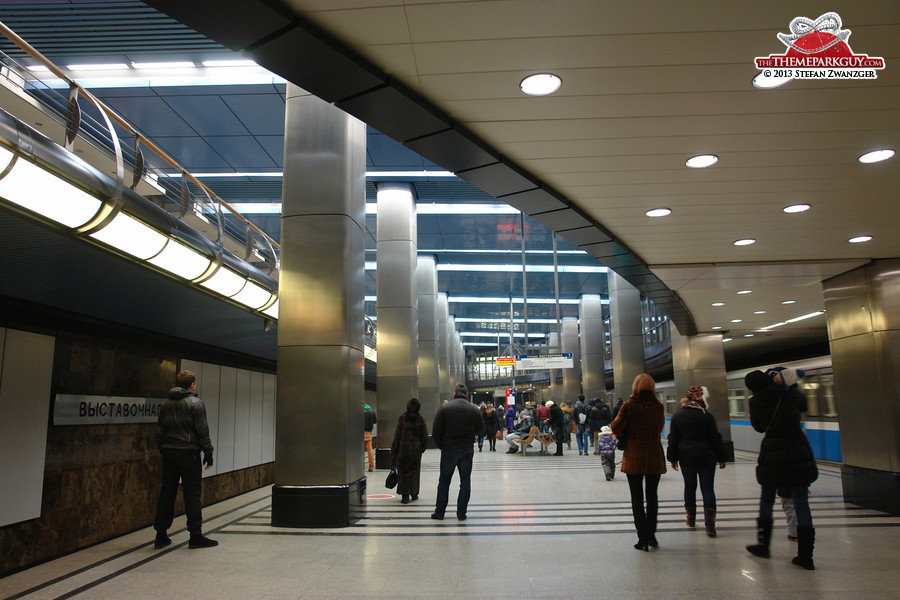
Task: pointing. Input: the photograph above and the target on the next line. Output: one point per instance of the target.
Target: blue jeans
(799, 494)
(459, 458)
(581, 436)
(707, 476)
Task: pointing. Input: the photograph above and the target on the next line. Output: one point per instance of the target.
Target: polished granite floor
(538, 527)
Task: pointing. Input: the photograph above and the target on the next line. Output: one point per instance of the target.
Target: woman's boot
(691, 517)
(806, 538)
(763, 535)
(709, 519)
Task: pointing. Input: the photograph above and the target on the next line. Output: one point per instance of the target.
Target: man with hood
(181, 434)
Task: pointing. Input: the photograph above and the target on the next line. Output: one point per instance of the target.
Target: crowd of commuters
(786, 466)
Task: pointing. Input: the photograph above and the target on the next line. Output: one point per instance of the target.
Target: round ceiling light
(796, 208)
(860, 239)
(659, 212)
(876, 156)
(540, 84)
(767, 83)
(744, 242)
(701, 161)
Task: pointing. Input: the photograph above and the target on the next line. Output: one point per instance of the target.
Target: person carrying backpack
(581, 426)
(599, 417)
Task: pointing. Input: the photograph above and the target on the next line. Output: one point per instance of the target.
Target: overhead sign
(542, 362)
(505, 361)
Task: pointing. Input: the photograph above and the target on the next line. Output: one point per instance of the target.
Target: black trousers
(644, 520)
(181, 465)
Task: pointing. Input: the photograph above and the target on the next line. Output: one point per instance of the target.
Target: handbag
(498, 435)
(391, 481)
(621, 441)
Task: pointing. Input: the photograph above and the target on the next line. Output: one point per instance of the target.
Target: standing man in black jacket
(455, 427)
(181, 433)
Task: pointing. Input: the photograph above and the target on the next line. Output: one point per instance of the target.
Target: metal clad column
(319, 478)
(571, 377)
(625, 333)
(397, 379)
(590, 312)
(863, 312)
(444, 376)
(429, 379)
(700, 360)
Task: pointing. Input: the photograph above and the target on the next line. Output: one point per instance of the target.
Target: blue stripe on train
(826, 444)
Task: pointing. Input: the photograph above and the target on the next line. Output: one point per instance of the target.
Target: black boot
(198, 540)
(642, 543)
(691, 517)
(763, 535)
(806, 538)
(709, 519)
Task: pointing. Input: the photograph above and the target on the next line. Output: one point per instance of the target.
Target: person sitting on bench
(523, 428)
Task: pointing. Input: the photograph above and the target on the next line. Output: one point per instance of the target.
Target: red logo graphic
(818, 50)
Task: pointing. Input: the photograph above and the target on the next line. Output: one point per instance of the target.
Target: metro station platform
(538, 527)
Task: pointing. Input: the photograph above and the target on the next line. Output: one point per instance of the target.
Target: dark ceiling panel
(534, 201)
(261, 114)
(585, 235)
(241, 152)
(274, 147)
(192, 152)
(560, 220)
(207, 115)
(151, 115)
(498, 179)
(395, 113)
(385, 153)
(453, 149)
(332, 75)
(218, 19)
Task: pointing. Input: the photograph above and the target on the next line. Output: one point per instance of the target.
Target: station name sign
(70, 409)
(542, 362)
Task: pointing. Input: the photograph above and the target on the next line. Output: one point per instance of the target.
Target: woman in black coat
(695, 443)
(557, 422)
(785, 457)
(491, 425)
(410, 441)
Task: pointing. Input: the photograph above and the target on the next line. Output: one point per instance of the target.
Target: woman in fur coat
(640, 421)
(410, 441)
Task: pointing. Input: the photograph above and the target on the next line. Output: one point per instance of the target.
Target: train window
(737, 403)
(671, 404)
(828, 396)
(811, 390)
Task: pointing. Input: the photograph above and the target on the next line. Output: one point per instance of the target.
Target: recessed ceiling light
(795, 208)
(876, 156)
(745, 242)
(726, 340)
(659, 212)
(735, 320)
(860, 239)
(716, 327)
(748, 335)
(540, 84)
(98, 67)
(767, 83)
(718, 304)
(701, 161)
(163, 65)
(745, 291)
(759, 312)
(788, 301)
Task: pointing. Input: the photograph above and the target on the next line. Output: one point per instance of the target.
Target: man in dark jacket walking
(181, 433)
(455, 427)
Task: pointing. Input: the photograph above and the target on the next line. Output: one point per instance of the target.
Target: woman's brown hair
(643, 383)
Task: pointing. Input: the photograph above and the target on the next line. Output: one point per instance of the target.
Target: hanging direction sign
(542, 362)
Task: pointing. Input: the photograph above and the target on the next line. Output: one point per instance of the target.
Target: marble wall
(101, 481)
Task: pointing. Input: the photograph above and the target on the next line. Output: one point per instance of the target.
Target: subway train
(820, 421)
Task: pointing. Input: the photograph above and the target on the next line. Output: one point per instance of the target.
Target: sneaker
(201, 541)
(511, 451)
(437, 517)
(162, 540)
